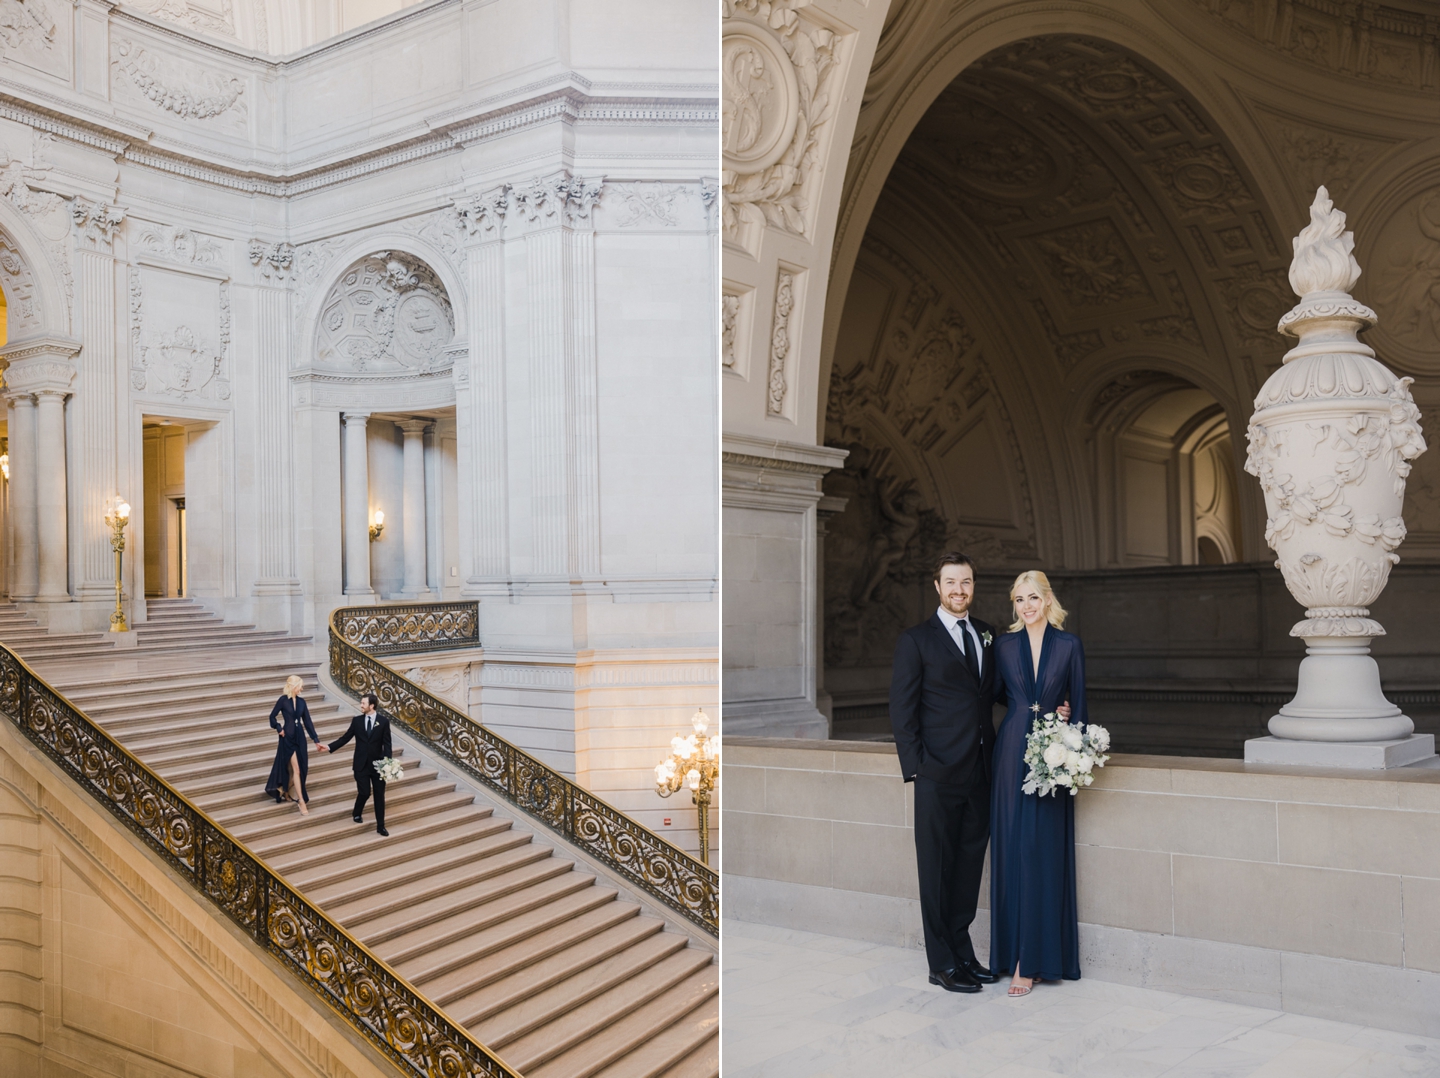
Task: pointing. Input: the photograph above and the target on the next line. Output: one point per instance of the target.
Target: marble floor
(803, 1005)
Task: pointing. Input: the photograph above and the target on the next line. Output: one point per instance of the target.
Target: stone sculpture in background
(1331, 441)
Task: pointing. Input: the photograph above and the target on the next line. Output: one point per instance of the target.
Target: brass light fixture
(116, 517)
(5, 458)
(694, 761)
(377, 525)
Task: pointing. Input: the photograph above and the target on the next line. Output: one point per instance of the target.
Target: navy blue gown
(1033, 920)
(292, 742)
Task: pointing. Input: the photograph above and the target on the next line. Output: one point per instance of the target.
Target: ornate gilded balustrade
(379, 1004)
(600, 829)
(394, 629)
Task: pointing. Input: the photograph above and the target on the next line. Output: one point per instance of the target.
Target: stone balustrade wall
(1311, 891)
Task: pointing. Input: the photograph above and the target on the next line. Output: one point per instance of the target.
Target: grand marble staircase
(550, 966)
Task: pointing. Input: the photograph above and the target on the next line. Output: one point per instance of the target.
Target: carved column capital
(45, 364)
(96, 222)
(274, 260)
(484, 215)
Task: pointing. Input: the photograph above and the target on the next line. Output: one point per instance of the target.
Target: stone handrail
(682, 882)
(376, 1001)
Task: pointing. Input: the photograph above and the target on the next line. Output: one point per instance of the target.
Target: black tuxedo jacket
(369, 747)
(939, 710)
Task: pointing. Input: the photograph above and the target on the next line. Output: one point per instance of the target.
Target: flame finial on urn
(1324, 252)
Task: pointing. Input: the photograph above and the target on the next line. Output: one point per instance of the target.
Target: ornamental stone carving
(482, 215)
(776, 66)
(781, 340)
(274, 260)
(176, 244)
(387, 312)
(206, 96)
(1331, 441)
(96, 222)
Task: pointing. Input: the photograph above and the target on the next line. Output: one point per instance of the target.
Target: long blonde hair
(1054, 612)
(293, 684)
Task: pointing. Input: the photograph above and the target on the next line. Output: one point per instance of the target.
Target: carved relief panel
(38, 34)
(387, 312)
(180, 321)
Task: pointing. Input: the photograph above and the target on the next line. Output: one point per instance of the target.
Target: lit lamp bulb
(700, 721)
(692, 777)
(5, 466)
(122, 510)
(378, 526)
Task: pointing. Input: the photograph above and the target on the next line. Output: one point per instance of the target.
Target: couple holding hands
(290, 717)
(948, 672)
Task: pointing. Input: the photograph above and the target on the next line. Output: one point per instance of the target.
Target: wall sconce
(378, 525)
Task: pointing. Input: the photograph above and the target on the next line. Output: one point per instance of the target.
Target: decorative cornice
(568, 106)
(770, 464)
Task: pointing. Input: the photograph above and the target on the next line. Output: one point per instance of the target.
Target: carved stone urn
(1331, 441)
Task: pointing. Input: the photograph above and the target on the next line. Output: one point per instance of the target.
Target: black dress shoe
(954, 980)
(358, 818)
(382, 831)
(978, 972)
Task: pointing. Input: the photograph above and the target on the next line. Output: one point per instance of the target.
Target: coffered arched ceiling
(1084, 220)
(1305, 92)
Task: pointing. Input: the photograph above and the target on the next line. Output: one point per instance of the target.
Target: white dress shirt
(954, 624)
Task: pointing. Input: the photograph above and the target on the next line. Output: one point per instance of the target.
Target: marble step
(509, 935)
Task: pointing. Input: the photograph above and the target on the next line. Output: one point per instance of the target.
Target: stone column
(357, 506)
(41, 370)
(414, 509)
(25, 573)
(52, 525)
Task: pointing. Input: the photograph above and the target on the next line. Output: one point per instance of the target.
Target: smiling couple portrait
(1080, 539)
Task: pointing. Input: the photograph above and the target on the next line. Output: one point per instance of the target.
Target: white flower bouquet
(1061, 754)
(388, 769)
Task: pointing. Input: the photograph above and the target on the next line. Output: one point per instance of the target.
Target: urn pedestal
(1331, 441)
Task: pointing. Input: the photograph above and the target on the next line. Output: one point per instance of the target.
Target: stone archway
(383, 355)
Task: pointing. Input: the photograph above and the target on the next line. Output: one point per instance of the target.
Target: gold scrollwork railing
(601, 830)
(391, 1015)
(394, 629)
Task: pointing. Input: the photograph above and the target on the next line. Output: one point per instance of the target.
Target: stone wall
(111, 967)
(1311, 891)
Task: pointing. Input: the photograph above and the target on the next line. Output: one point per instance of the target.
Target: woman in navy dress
(1034, 929)
(291, 719)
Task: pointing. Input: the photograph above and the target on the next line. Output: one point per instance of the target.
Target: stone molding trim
(570, 106)
(773, 454)
(375, 391)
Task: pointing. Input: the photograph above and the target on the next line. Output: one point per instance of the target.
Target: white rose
(1086, 763)
(1072, 761)
(1063, 779)
(1055, 754)
(1073, 737)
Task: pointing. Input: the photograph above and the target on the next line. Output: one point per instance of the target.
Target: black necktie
(967, 648)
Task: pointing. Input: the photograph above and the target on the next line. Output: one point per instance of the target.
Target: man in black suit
(941, 691)
(371, 731)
